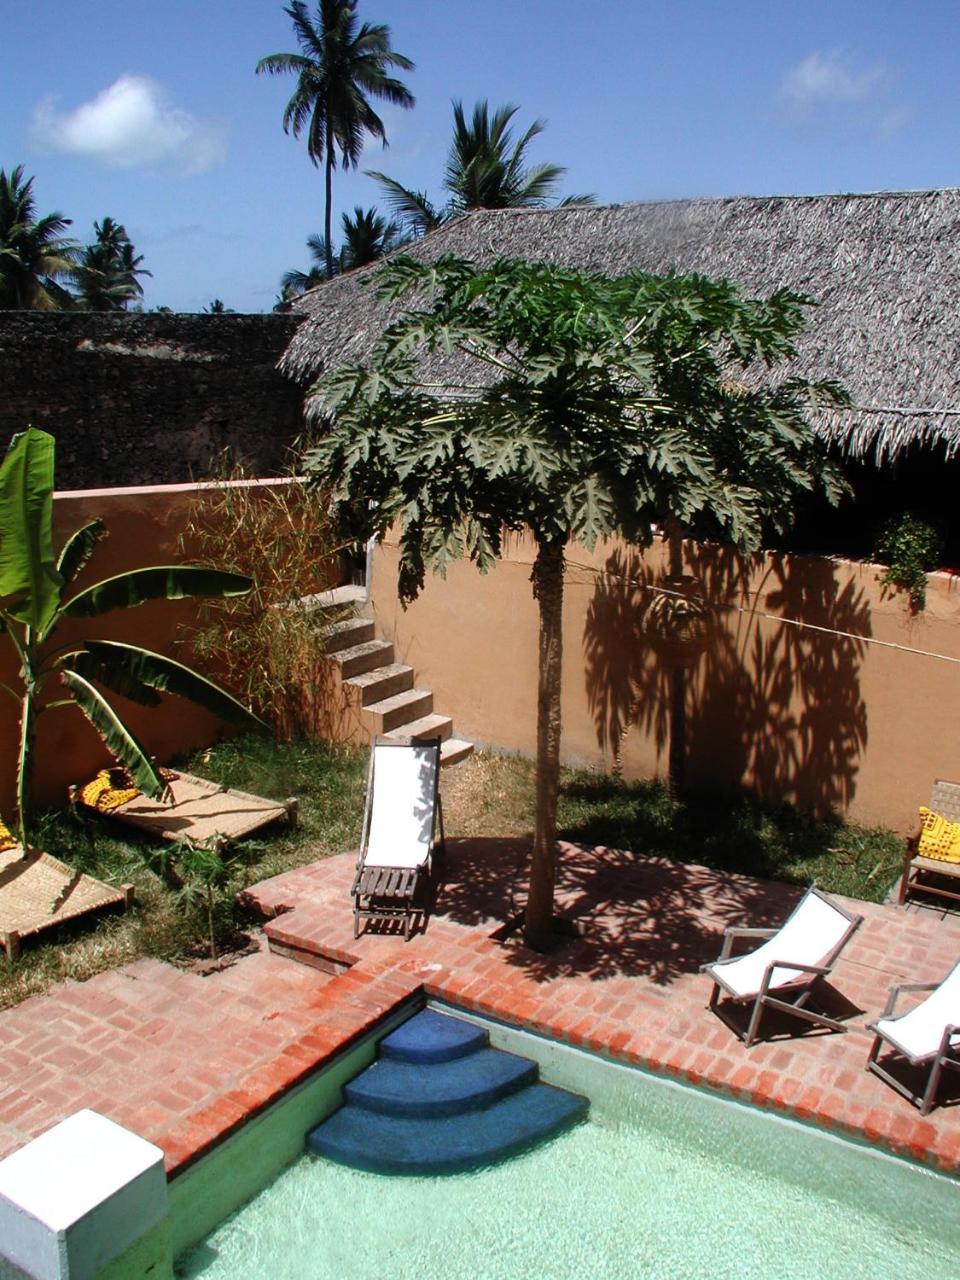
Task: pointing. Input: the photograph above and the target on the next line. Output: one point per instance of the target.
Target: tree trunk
(328, 205)
(548, 592)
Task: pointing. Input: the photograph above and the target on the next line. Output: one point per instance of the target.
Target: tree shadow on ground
(639, 916)
(772, 706)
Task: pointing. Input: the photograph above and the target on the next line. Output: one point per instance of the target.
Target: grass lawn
(487, 795)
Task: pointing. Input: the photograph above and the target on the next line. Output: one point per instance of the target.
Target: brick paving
(184, 1059)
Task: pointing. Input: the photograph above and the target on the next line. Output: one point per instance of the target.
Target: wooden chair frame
(945, 800)
(789, 997)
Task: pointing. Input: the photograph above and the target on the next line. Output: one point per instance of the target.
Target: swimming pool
(663, 1181)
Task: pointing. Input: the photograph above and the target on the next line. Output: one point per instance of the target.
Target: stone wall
(150, 398)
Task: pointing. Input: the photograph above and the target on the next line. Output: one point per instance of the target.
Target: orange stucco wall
(143, 527)
(793, 713)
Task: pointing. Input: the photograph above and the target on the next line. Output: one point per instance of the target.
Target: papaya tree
(578, 406)
(37, 594)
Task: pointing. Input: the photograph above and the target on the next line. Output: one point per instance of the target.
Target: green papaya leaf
(78, 548)
(137, 673)
(170, 582)
(27, 563)
(119, 740)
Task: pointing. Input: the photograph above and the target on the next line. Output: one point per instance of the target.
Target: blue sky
(151, 112)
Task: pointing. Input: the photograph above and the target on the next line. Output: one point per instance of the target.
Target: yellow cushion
(6, 839)
(939, 838)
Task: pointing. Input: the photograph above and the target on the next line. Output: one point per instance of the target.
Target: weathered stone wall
(150, 398)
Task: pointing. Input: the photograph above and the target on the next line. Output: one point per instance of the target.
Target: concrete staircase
(438, 1100)
(382, 693)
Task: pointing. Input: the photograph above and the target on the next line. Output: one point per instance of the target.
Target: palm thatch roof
(884, 268)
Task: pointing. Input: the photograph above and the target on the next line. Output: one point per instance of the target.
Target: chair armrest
(949, 1031)
(897, 991)
(818, 970)
(735, 934)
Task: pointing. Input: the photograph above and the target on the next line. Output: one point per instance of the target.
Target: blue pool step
(439, 1100)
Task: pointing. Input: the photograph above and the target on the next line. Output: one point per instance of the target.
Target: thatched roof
(885, 269)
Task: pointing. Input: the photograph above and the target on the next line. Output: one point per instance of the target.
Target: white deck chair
(928, 1034)
(401, 816)
(784, 972)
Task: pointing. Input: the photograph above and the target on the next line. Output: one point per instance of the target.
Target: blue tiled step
(404, 1144)
(430, 1037)
(442, 1089)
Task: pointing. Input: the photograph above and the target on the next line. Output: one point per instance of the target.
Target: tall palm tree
(485, 169)
(33, 251)
(367, 236)
(340, 67)
(107, 270)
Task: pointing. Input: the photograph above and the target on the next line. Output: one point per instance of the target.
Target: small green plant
(208, 882)
(910, 548)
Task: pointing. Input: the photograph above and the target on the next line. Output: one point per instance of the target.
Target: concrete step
(434, 726)
(400, 708)
(446, 1089)
(360, 658)
(381, 682)
(337, 598)
(430, 1037)
(344, 635)
(454, 750)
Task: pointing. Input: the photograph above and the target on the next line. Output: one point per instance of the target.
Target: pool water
(666, 1183)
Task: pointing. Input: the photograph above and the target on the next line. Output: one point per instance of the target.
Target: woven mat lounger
(39, 892)
(199, 811)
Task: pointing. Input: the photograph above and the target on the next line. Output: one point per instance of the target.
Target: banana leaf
(119, 740)
(169, 582)
(138, 673)
(78, 548)
(27, 563)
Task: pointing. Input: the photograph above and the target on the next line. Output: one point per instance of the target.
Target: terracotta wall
(143, 527)
(793, 713)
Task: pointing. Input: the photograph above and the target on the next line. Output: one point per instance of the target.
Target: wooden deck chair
(928, 1035)
(784, 972)
(936, 870)
(401, 817)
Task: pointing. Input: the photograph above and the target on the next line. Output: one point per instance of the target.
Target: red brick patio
(183, 1060)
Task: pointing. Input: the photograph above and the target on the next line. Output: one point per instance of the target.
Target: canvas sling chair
(927, 1036)
(401, 818)
(784, 972)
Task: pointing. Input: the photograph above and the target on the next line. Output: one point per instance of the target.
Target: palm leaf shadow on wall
(771, 707)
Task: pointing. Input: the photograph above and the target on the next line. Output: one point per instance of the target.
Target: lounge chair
(401, 816)
(938, 874)
(928, 1035)
(784, 972)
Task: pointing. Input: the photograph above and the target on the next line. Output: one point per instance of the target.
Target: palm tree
(340, 66)
(33, 252)
(293, 283)
(106, 274)
(485, 170)
(367, 236)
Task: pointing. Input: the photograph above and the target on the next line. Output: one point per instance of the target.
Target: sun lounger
(784, 971)
(927, 1036)
(400, 820)
(194, 809)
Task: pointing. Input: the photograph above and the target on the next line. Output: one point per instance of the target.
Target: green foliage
(910, 548)
(485, 169)
(208, 881)
(575, 404)
(35, 598)
(340, 67)
(106, 273)
(34, 253)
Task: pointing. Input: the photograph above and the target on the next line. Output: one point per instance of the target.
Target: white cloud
(132, 124)
(828, 88)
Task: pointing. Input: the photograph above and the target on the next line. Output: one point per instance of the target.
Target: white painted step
(382, 682)
(400, 709)
(454, 750)
(433, 726)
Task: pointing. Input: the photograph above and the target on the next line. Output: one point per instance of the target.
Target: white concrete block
(78, 1196)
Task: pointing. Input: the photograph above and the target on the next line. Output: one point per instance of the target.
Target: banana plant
(37, 593)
